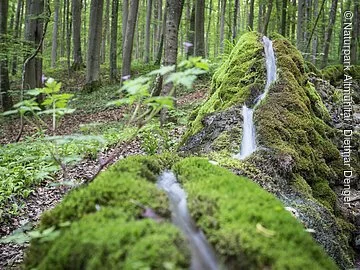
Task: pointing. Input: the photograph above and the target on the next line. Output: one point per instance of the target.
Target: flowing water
(202, 255)
(248, 143)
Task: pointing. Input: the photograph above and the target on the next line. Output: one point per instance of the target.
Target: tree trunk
(300, 25)
(113, 40)
(315, 38)
(55, 34)
(199, 28)
(329, 32)
(251, 15)
(174, 12)
(125, 15)
(236, 13)
(222, 25)
(161, 44)
(18, 20)
(129, 39)
(267, 18)
(94, 45)
(33, 35)
(76, 18)
(105, 33)
(5, 99)
(293, 23)
(207, 36)
(68, 36)
(283, 17)
(147, 31)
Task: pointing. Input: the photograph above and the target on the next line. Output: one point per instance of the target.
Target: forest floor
(48, 193)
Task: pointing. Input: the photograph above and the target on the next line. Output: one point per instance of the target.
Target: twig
(26, 62)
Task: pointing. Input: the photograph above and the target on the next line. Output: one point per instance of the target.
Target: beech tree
(33, 35)
(5, 99)
(76, 22)
(94, 45)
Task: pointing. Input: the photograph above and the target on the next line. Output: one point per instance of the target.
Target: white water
(248, 143)
(202, 255)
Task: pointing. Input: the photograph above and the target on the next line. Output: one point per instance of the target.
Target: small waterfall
(202, 255)
(248, 143)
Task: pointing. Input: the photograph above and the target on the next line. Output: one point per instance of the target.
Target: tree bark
(251, 15)
(199, 28)
(236, 13)
(222, 25)
(125, 14)
(315, 39)
(76, 18)
(174, 12)
(283, 17)
(207, 36)
(5, 99)
(300, 25)
(129, 39)
(33, 35)
(147, 31)
(55, 34)
(113, 40)
(18, 19)
(267, 18)
(329, 32)
(94, 45)
(105, 33)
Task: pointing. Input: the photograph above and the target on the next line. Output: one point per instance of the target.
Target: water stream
(248, 142)
(202, 255)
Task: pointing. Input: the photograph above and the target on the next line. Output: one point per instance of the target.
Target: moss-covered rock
(295, 134)
(101, 226)
(247, 226)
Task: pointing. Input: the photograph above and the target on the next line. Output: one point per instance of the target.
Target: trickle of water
(248, 143)
(202, 255)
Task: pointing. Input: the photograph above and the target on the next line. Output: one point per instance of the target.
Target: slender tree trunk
(235, 24)
(33, 35)
(207, 37)
(251, 15)
(161, 45)
(113, 40)
(55, 34)
(147, 31)
(125, 14)
(68, 36)
(76, 18)
(293, 24)
(267, 18)
(329, 32)
(160, 23)
(129, 39)
(94, 45)
(174, 12)
(5, 99)
(222, 25)
(260, 17)
(105, 32)
(199, 28)
(315, 38)
(300, 25)
(63, 27)
(191, 34)
(283, 17)
(18, 20)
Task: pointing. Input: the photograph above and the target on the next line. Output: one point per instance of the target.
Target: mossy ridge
(247, 226)
(234, 80)
(291, 120)
(90, 241)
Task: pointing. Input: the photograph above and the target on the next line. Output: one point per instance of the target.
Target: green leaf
(163, 70)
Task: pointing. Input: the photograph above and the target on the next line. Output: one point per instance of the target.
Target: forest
(180, 134)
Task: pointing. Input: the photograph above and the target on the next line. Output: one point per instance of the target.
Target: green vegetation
(107, 227)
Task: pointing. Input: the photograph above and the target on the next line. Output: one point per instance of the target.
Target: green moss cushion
(101, 226)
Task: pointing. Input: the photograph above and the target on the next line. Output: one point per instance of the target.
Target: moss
(234, 80)
(334, 74)
(247, 226)
(91, 238)
(301, 185)
(311, 68)
(228, 140)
